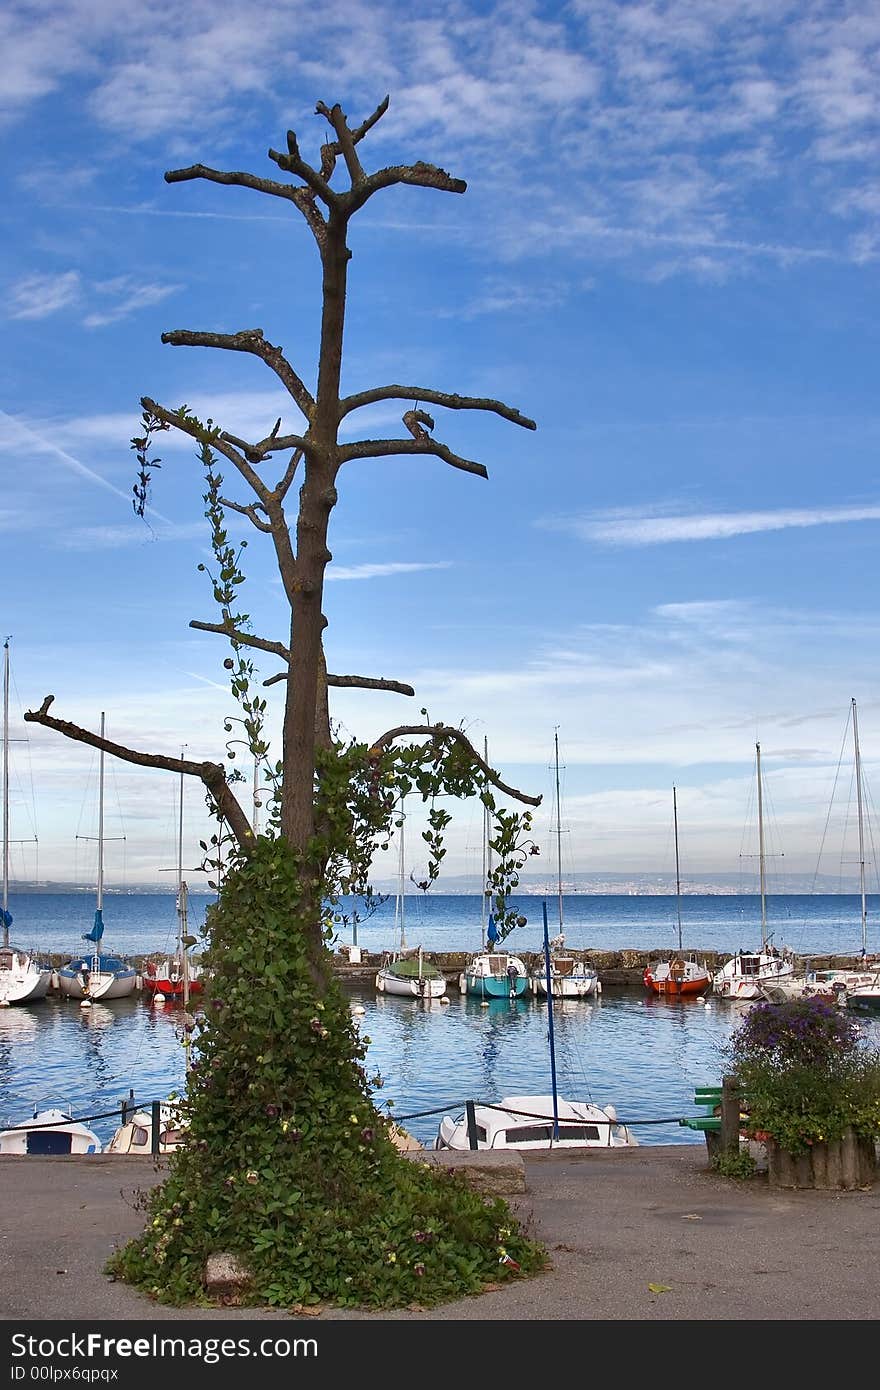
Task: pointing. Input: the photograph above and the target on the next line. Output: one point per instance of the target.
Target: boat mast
(858, 770)
(558, 828)
(401, 869)
(99, 905)
(550, 1035)
(6, 792)
(485, 861)
(182, 894)
(257, 802)
(677, 869)
(762, 871)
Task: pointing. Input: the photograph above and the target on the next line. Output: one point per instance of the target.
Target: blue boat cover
(97, 930)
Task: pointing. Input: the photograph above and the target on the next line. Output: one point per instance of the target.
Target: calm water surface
(644, 1055)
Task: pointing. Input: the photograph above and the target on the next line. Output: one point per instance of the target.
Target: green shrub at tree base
(288, 1164)
(806, 1073)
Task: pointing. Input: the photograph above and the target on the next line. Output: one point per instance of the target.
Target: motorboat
(526, 1123)
(135, 1135)
(49, 1133)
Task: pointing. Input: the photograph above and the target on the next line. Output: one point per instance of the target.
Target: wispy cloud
(37, 296)
(380, 571)
(17, 436)
(634, 528)
(118, 537)
(126, 295)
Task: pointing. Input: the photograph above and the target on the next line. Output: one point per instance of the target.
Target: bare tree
(312, 456)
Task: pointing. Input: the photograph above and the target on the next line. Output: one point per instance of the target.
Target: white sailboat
(176, 977)
(100, 976)
(23, 979)
(679, 975)
(570, 978)
(847, 986)
(748, 972)
(492, 974)
(405, 970)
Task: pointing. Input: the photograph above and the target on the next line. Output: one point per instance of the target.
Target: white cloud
(136, 533)
(635, 528)
(129, 295)
(37, 296)
(381, 571)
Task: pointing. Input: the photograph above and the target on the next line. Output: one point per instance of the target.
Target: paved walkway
(615, 1222)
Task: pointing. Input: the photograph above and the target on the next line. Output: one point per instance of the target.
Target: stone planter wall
(848, 1164)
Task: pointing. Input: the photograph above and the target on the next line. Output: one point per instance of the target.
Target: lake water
(643, 1054)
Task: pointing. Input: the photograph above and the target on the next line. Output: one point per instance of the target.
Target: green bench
(709, 1124)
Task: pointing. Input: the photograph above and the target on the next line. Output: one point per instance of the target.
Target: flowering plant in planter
(806, 1073)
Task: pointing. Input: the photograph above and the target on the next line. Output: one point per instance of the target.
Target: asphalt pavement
(648, 1234)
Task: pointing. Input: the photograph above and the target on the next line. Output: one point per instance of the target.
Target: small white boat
(747, 973)
(49, 1133)
(410, 975)
(23, 980)
(405, 971)
(136, 1135)
(101, 976)
(526, 1123)
(570, 978)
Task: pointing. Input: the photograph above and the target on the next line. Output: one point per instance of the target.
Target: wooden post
(730, 1099)
(471, 1124)
(154, 1139)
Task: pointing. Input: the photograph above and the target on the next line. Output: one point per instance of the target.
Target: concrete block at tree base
(491, 1171)
(226, 1277)
(845, 1165)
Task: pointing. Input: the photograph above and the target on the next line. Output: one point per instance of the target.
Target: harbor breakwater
(617, 969)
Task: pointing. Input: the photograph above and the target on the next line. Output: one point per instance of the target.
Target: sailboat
(677, 976)
(492, 974)
(405, 970)
(100, 976)
(23, 980)
(176, 977)
(570, 978)
(530, 1123)
(850, 987)
(748, 972)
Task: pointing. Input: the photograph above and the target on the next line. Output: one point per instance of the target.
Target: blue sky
(666, 255)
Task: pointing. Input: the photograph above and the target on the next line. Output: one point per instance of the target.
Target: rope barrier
(130, 1107)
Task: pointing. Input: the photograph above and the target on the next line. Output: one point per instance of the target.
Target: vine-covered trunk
(287, 1165)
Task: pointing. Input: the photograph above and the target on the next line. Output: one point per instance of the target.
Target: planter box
(845, 1165)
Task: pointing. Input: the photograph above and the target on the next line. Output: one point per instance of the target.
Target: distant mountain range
(537, 885)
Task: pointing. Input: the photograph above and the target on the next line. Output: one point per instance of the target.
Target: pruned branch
(244, 639)
(446, 733)
(302, 198)
(370, 683)
(250, 512)
(283, 486)
(213, 440)
(381, 448)
(352, 682)
(249, 340)
(421, 393)
(293, 163)
(420, 175)
(344, 140)
(243, 180)
(213, 775)
(257, 453)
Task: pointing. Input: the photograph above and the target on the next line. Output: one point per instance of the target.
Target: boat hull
(22, 980)
(49, 1133)
(495, 975)
(74, 983)
(525, 1124)
(410, 988)
(566, 986)
(668, 977)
